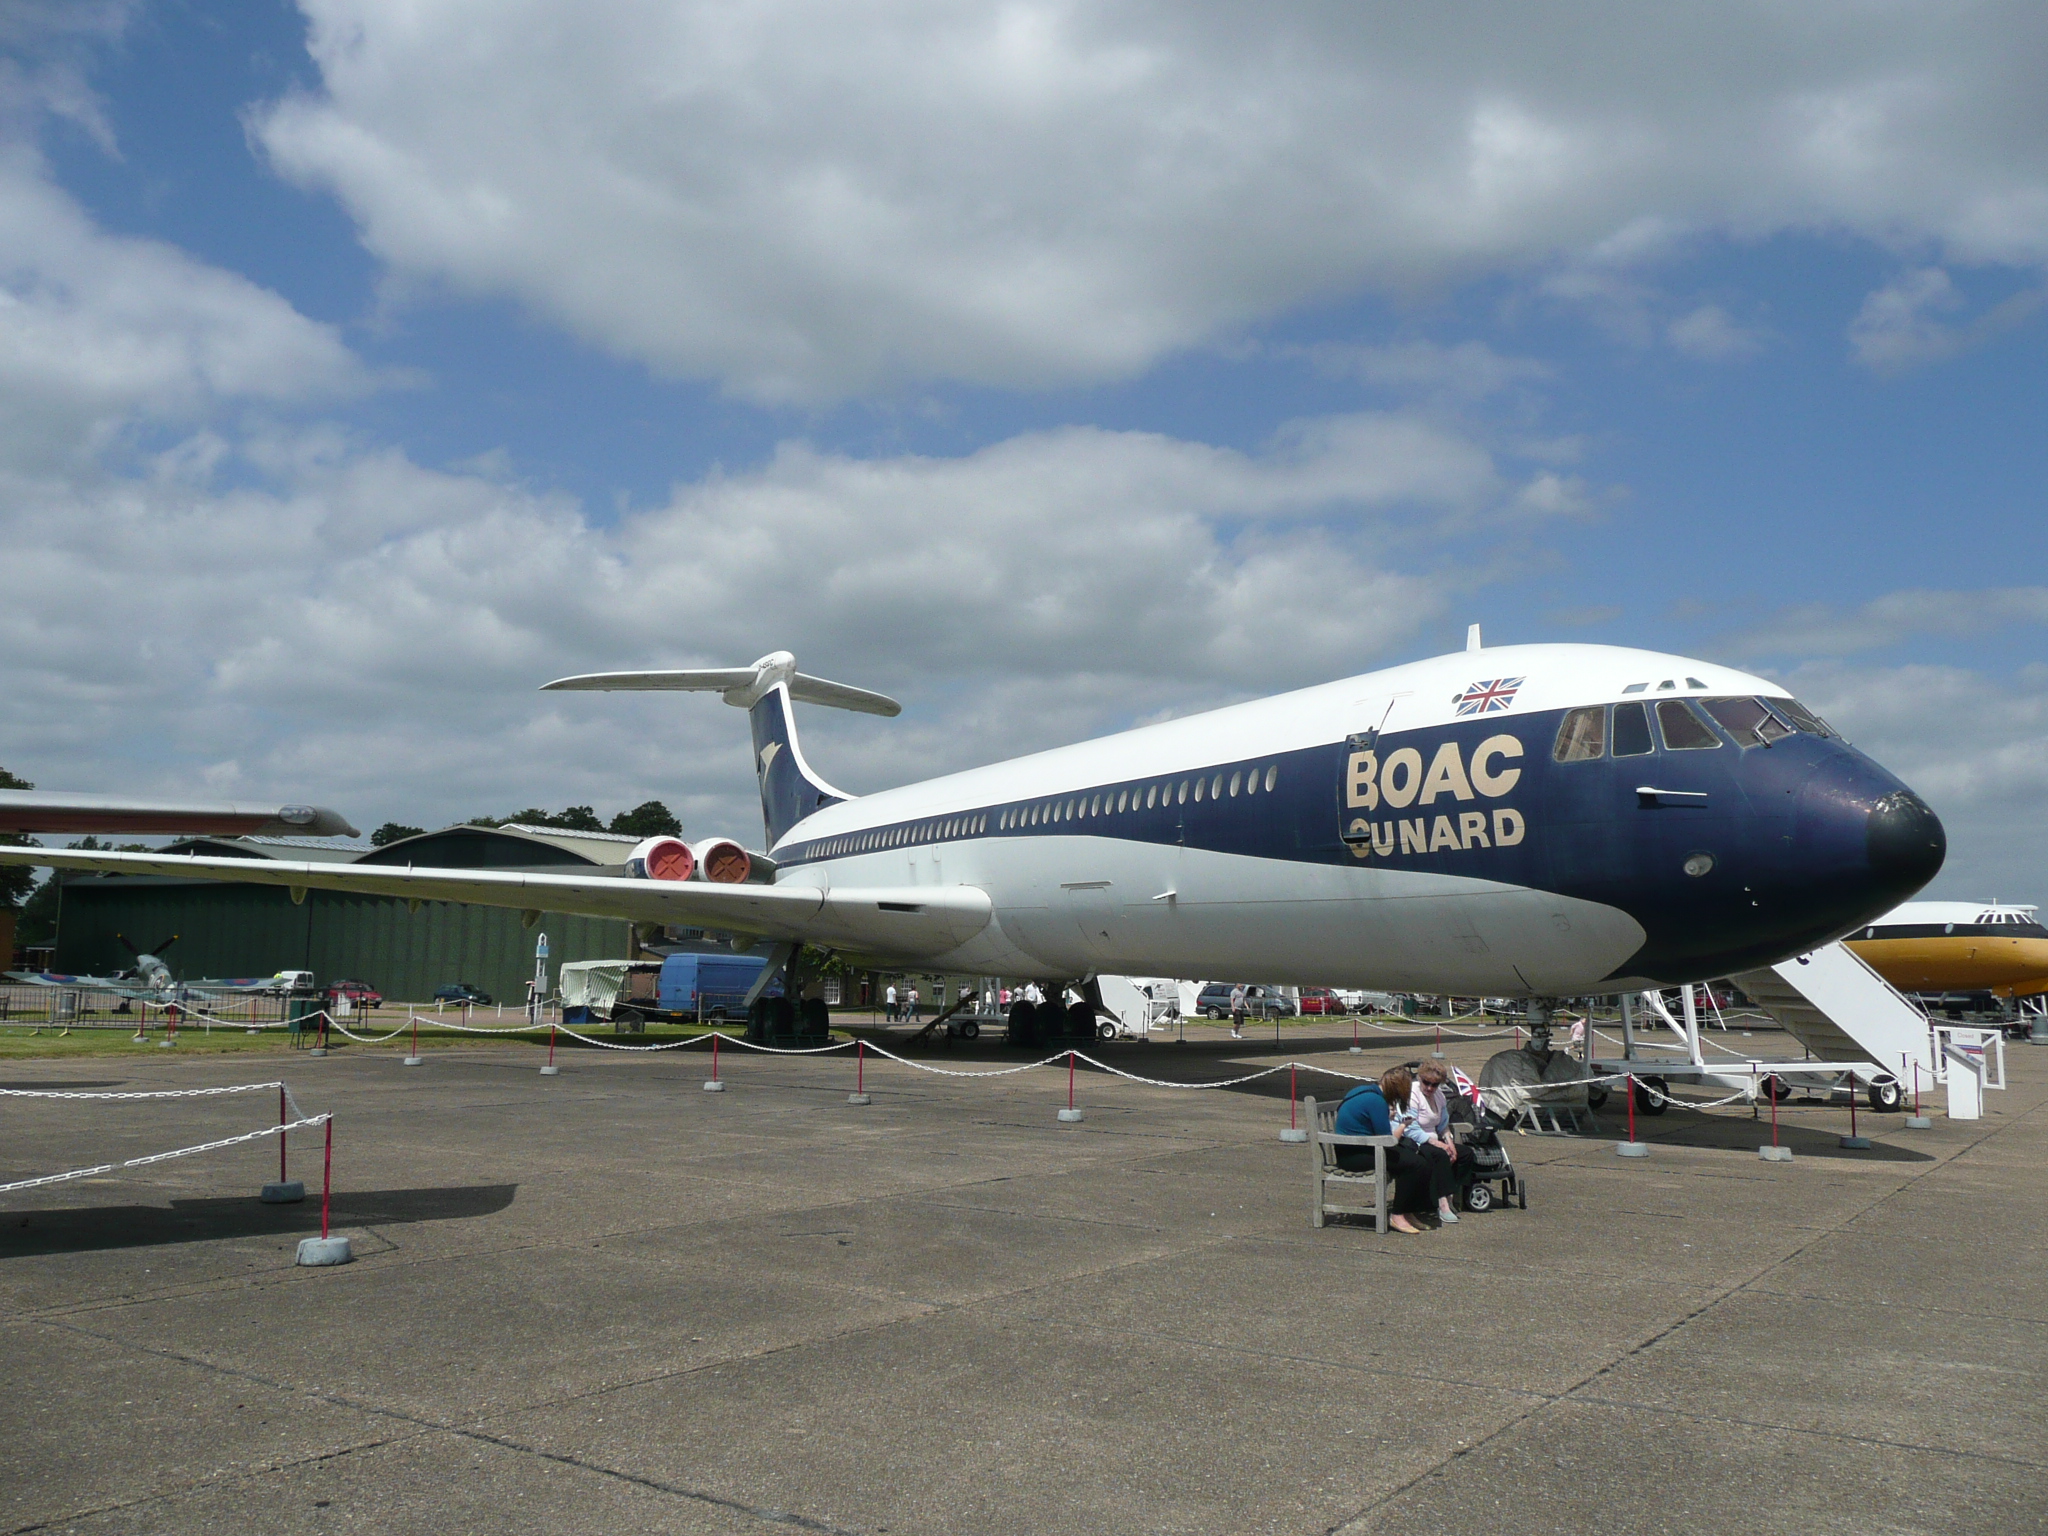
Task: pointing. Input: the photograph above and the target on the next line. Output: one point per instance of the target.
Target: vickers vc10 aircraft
(1532, 821)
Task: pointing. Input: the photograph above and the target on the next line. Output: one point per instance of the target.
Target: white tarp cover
(1514, 1078)
(594, 984)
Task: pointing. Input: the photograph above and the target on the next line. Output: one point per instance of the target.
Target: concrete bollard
(324, 1250)
(283, 1192)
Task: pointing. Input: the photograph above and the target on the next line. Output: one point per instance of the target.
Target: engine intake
(723, 861)
(661, 858)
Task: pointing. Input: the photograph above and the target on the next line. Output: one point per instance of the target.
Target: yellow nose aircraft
(1957, 946)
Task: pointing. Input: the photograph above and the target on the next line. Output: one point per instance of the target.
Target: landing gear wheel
(1653, 1095)
(817, 1018)
(1080, 1021)
(1886, 1096)
(1023, 1026)
(1479, 1198)
(970, 1030)
(1775, 1087)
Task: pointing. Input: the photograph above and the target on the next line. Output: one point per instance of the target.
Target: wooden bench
(1324, 1170)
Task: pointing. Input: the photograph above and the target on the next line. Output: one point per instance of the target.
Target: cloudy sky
(1050, 366)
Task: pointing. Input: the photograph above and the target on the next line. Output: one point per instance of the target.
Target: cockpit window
(1802, 718)
(1683, 730)
(1582, 736)
(1631, 730)
(1747, 720)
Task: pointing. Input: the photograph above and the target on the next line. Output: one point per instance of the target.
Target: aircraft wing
(879, 921)
(39, 810)
(88, 983)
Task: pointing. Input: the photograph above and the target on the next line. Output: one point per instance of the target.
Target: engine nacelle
(723, 861)
(661, 858)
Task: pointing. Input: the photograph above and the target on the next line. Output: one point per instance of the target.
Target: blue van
(716, 984)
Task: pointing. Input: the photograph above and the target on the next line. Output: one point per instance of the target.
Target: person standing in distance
(889, 1003)
(1237, 1012)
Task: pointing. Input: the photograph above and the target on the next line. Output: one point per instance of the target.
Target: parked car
(463, 992)
(359, 993)
(1259, 1002)
(1322, 1000)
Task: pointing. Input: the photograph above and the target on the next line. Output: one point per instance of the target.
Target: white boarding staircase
(1840, 1009)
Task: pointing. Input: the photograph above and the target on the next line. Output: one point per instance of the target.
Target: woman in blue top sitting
(1365, 1112)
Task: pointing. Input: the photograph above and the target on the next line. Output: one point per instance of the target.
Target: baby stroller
(1483, 1171)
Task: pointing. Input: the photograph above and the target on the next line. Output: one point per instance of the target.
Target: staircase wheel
(1886, 1096)
(1653, 1095)
(1775, 1087)
(970, 1030)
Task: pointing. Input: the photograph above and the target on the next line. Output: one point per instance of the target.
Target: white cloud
(1709, 334)
(808, 200)
(1827, 629)
(98, 333)
(372, 632)
(1466, 371)
(1896, 329)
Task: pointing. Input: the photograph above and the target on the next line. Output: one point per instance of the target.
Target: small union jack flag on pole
(1465, 1085)
(1487, 698)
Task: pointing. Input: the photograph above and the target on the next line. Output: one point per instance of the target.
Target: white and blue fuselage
(1528, 820)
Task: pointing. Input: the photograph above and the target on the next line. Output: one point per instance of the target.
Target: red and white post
(860, 1075)
(1294, 1131)
(1070, 1115)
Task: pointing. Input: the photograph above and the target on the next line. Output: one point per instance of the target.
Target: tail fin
(790, 791)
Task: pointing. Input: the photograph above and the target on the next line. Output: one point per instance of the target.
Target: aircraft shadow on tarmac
(87, 1229)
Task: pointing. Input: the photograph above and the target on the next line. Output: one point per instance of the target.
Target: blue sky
(1050, 367)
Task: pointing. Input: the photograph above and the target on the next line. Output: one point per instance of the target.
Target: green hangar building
(402, 951)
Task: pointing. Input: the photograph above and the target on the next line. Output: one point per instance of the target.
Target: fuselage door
(1358, 764)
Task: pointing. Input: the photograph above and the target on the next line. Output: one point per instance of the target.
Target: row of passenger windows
(899, 837)
(1587, 733)
(1118, 802)
(1110, 802)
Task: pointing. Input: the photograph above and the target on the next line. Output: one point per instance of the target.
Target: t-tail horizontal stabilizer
(790, 791)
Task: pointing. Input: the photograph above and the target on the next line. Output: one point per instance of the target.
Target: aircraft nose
(1905, 842)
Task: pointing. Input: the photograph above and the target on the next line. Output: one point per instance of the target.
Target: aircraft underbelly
(1091, 904)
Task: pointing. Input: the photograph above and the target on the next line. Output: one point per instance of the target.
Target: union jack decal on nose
(1487, 698)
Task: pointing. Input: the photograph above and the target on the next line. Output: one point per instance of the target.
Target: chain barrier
(164, 1157)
